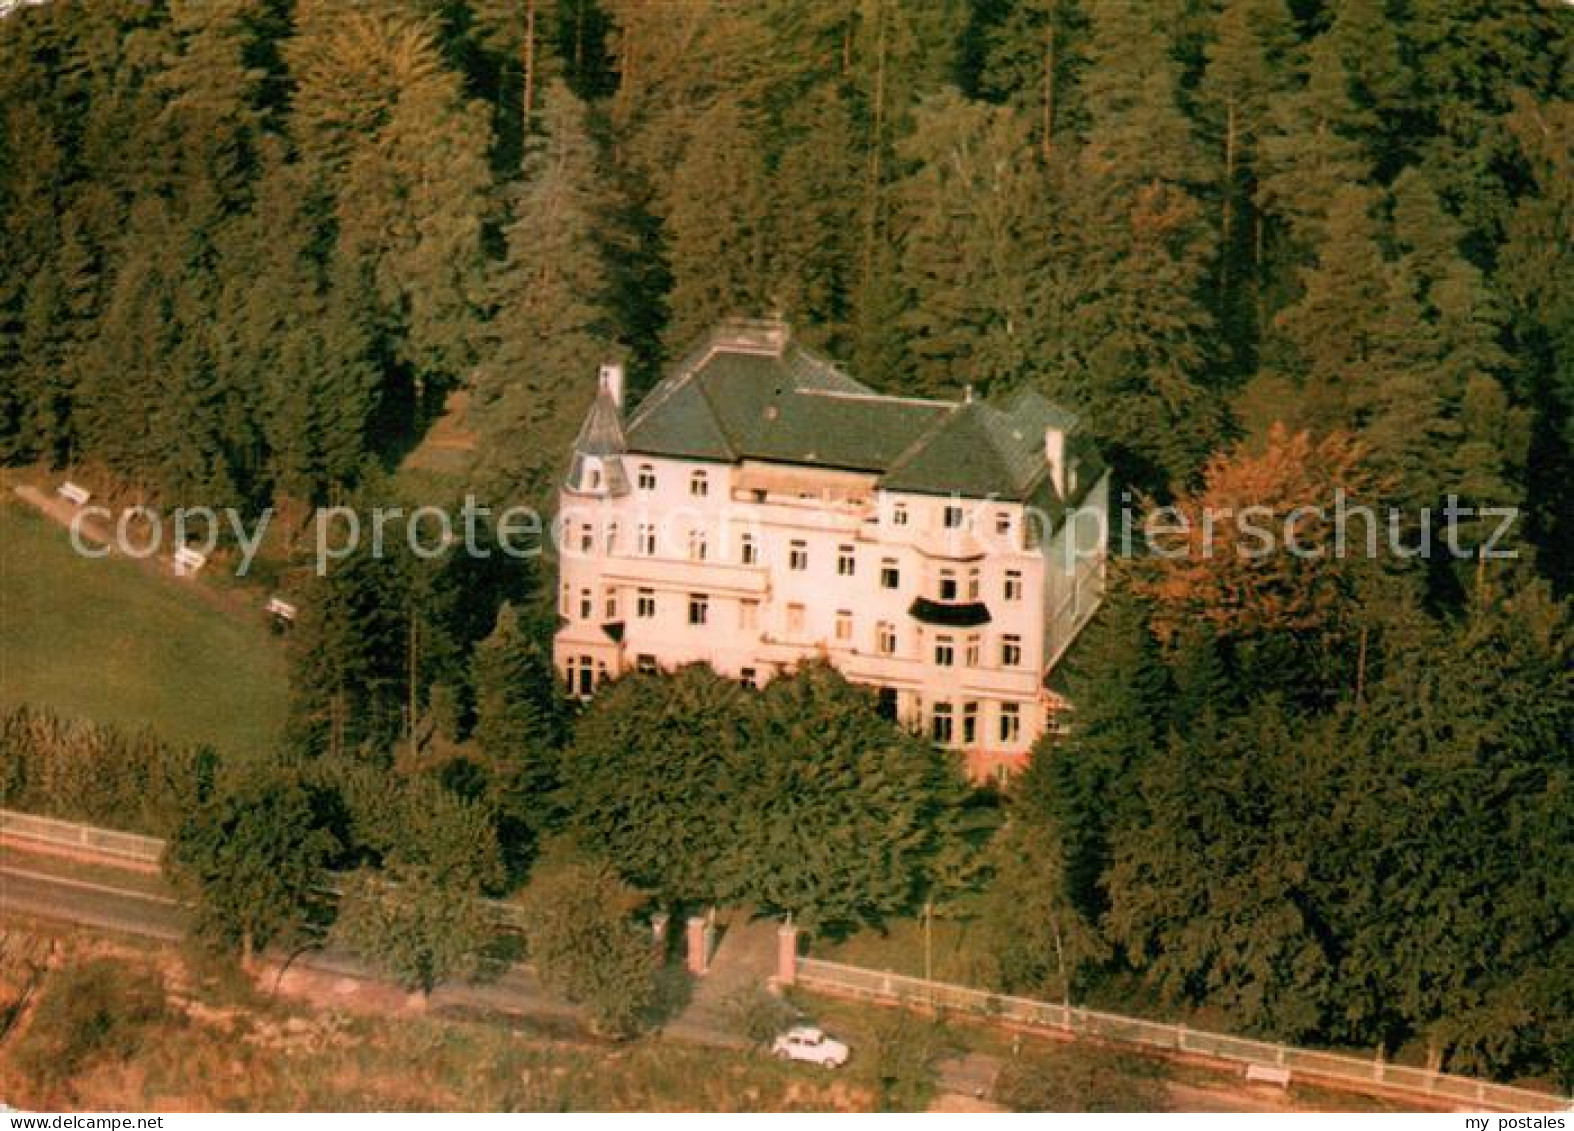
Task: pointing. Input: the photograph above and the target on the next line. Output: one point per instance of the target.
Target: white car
(811, 1045)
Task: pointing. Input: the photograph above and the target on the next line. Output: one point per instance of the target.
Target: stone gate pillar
(786, 953)
(698, 940)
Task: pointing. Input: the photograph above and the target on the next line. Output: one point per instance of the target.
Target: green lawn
(103, 639)
(953, 951)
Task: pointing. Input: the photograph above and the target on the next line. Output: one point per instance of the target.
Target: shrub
(88, 1012)
(586, 946)
(82, 771)
(1081, 1078)
(760, 1015)
(900, 1063)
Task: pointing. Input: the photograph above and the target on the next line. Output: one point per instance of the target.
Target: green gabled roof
(681, 423)
(752, 393)
(976, 450)
(791, 408)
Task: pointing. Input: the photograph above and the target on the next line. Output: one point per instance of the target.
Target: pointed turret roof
(602, 432)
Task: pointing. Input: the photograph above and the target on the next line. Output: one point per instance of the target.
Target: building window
(586, 611)
(798, 556)
(595, 479)
(953, 516)
(890, 576)
(699, 485)
(647, 539)
(1013, 585)
(940, 723)
(646, 663)
(581, 672)
(969, 723)
(1010, 723)
(611, 538)
(899, 514)
(748, 614)
(647, 477)
(747, 677)
(972, 584)
(844, 625)
(645, 604)
(846, 563)
(885, 638)
(794, 620)
(947, 585)
(748, 550)
(945, 652)
(697, 545)
(699, 608)
(970, 655)
(587, 538)
(1010, 651)
(611, 604)
(1003, 523)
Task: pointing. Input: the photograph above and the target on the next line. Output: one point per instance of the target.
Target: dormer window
(699, 484)
(595, 479)
(647, 477)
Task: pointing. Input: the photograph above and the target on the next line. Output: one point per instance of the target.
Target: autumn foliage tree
(1262, 546)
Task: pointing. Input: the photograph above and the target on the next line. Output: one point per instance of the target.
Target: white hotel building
(760, 508)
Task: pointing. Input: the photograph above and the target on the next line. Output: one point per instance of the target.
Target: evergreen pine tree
(969, 222)
(716, 225)
(550, 325)
(518, 730)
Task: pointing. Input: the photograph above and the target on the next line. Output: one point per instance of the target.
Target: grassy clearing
(105, 640)
(899, 948)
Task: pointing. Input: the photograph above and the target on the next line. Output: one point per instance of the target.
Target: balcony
(681, 573)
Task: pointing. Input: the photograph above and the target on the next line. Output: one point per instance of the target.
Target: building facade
(761, 508)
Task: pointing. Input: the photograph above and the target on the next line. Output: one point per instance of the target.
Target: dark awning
(969, 615)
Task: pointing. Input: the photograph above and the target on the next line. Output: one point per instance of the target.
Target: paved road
(745, 959)
(33, 890)
(46, 888)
